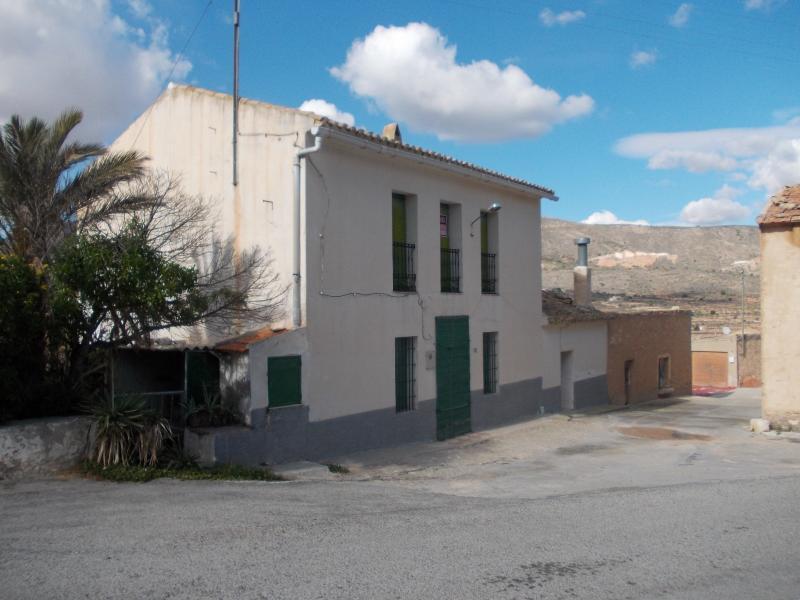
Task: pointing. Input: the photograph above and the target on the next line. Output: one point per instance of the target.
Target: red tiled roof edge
(783, 208)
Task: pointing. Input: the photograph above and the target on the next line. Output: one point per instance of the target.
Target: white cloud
(140, 8)
(411, 74)
(606, 217)
(761, 4)
(769, 155)
(642, 58)
(718, 209)
(55, 54)
(681, 16)
(550, 18)
(692, 161)
(778, 168)
(327, 109)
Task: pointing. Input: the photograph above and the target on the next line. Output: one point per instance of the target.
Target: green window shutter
(283, 380)
(398, 218)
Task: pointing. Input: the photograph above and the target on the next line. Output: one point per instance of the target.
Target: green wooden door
(452, 377)
(283, 381)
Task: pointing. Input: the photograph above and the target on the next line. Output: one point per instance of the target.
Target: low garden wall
(42, 446)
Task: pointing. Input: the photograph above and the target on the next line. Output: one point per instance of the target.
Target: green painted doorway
(452, 377)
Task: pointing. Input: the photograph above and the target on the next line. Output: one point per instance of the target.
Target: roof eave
(327, 131)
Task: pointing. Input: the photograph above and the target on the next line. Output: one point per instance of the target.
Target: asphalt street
(601, 524)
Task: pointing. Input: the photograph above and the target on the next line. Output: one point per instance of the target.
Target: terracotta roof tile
(560, 308)
(240, 343)
(783, 208)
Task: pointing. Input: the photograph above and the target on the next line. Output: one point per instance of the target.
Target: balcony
(405, 277)
(488, 273)
(451, 270)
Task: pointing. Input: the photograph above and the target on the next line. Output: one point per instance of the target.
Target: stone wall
(38, 447)
(643, 338)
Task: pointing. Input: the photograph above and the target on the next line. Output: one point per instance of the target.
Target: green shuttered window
(283, 381)
(490, 362)
(405, 375)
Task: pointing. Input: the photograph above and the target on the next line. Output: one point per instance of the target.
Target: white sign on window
(443, 225)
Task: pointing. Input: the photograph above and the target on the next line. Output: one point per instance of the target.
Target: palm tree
(50, 187)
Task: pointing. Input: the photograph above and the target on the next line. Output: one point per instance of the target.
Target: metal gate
(710, 369)
(452, 377)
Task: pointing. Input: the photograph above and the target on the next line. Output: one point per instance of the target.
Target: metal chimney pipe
(582, 274)
(583, 251)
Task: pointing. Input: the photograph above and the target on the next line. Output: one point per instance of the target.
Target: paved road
(449, 528)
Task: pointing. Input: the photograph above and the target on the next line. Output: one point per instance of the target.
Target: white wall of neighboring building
(588, 342)
(780, 325)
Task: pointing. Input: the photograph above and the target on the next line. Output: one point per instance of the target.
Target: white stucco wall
(588, 342)
(780, 325)
(349, 250)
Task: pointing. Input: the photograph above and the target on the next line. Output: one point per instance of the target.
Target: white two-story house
(413, 306)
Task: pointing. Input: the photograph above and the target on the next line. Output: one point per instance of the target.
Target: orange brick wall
(643, 338)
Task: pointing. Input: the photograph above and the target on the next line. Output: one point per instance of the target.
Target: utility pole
(235, 92)
(743, 342)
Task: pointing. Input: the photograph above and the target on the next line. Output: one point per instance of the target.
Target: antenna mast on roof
(235, 92)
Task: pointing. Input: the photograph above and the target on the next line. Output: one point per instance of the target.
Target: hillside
(698, 268)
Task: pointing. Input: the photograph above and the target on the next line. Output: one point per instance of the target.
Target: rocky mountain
(639, 260)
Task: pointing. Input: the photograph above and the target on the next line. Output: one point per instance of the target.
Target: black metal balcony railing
(405, 278)
(488, 273)
(451, 270)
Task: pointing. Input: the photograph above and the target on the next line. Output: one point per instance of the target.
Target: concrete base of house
(286, 434)
(38, 447)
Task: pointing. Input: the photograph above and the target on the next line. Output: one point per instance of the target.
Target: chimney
(583, 274)
(392, 132)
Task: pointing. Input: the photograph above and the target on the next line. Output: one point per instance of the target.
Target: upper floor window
(403, 247)
(450, 247)
(488, 253)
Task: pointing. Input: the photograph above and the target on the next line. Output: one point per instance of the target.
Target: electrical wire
(353, 293)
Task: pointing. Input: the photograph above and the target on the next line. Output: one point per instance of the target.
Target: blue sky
(622, 70)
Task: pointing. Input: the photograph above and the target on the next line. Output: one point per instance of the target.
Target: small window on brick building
(663, 373)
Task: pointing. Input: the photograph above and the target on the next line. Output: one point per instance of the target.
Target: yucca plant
(154, 433)
(127, 430)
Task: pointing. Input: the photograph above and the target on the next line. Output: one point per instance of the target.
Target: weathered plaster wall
(780, 325)
(188, 133)
(643, 338)
(41, 446)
